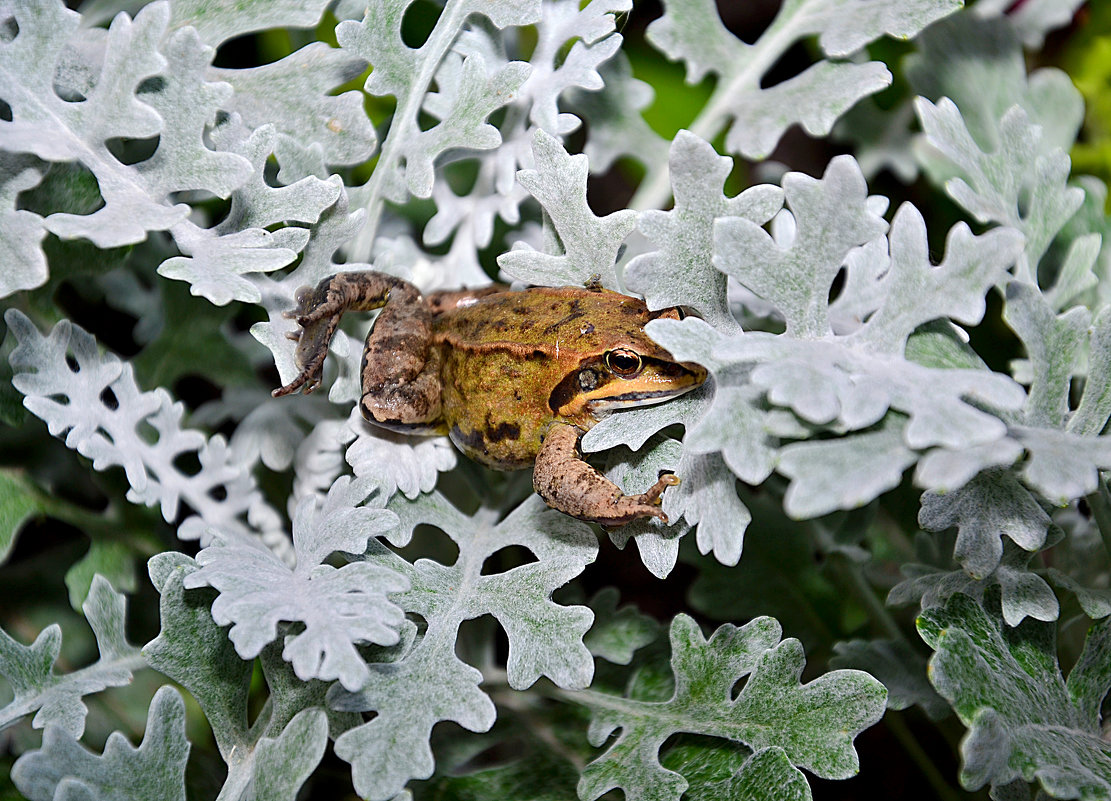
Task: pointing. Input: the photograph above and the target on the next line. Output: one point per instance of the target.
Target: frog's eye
(623, 362)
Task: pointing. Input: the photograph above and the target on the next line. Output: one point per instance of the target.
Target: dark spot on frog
(502, 431)
(471, 440)
(558, 324)
(478, 440)
(586, 329)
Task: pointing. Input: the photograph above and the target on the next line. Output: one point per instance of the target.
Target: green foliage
(915, 383)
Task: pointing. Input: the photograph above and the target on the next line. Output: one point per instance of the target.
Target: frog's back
(558, 321)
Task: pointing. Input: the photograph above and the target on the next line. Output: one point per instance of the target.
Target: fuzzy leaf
(590, 244)
(814, 724)
(44, 124)
(463, 123)
(294, 94)
(691, 30)
(993, 505)
(192, 650)
(901, 670)
(429, 683)
(709, 496)
(1033, 19)
(813, 99)
(30, 672)
(340, 607)
(681, 271)
(1052, 343)
(18, 503)
(768, 775)
(1022, 592)
(219, 22)
(64, 770)
(617, 126)
(218, 260)
(918, 292)
(115, 561)
(617, 633)
(1025, 721)
(105, 417)
(21, 231)
(1063, 466)
(993, 186)
(397, 463)
(553, 74)
(844, 473)
(831, 218)
(657, 544)
(282, 764)
(188, 104)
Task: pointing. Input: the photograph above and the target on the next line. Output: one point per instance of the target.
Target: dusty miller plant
(377, 585)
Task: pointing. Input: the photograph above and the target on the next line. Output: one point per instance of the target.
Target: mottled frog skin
(513, 378)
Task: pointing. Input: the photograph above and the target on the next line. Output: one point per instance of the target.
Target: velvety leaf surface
(428, 682)
(64, 769)
(339, 607)
(1025, 721)
(814, 724)
(56, 699)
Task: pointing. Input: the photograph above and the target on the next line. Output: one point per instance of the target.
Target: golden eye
(624, 362)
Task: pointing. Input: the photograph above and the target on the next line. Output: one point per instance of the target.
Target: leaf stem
(1100, 504)
(942, 789)
(851, 574)
(655, 189)
(404, 123)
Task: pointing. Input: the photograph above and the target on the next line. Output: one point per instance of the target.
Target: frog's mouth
(642, 398)
(594, 389)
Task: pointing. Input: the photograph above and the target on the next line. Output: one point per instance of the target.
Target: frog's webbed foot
(572, 486)
(318, 320)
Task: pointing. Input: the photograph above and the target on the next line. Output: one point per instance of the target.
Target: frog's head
(631, 370)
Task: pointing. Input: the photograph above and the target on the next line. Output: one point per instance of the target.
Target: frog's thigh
(401, 369)
(572, 486)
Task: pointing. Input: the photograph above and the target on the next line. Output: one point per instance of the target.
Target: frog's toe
(654, 493)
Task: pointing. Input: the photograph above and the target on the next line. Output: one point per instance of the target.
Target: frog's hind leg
(401, 369)
(572, 486)
(403, 324)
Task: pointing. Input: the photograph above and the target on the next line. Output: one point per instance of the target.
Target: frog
(513, 377)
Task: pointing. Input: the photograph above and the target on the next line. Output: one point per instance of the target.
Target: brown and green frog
(514, 378)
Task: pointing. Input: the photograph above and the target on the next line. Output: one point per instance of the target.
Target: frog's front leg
(400, 370)
(572, 486)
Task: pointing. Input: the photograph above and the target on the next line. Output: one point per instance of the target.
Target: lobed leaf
(339, 607)
(617, 633)
(64, 769)
(813, 724)
(1025, 721)
(831, 217)
(98, 408)
(57, 699)
(692, 31)
(992, 505)
(427, 682)
(590, 244)
(681, 271)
